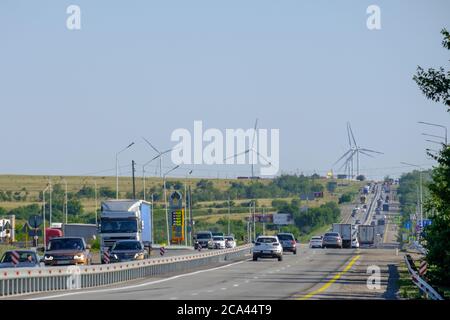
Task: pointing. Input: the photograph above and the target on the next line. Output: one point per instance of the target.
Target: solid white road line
(137, 285)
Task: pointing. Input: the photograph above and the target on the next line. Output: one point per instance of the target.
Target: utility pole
(51, 190)
(134, 182)
(229, 212)
(96, 203)
(190, 216)
(264, 221)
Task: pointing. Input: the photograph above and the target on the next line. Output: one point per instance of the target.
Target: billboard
(283, 219)
(177, 225)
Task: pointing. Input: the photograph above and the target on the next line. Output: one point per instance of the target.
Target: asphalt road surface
(311, 274)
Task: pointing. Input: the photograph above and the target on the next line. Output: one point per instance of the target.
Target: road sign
(425, 223)
(162, 250)
(423, 268)
(35, 221)
(178, 225)
(407, 225)
(15, 257)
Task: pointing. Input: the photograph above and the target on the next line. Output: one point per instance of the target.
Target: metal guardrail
(419, 282)
(419, 248)
(20, 281)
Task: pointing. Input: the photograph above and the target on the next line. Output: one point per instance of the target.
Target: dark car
(26, 259)
(288, 242)
(128, 250)
(67, 251)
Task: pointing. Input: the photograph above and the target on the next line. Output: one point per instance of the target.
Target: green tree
(331, 186)
(435, 84)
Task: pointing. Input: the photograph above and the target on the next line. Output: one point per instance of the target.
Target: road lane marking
(235, 285)
(137, 285)
(331, 281)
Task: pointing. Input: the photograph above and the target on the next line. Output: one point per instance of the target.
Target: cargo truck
(366, 234)
(125, 220)
(82, 230)
(346, 231)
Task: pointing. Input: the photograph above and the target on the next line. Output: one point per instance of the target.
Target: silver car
(332, 240)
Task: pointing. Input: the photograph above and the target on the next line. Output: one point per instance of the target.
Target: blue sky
(71, 99)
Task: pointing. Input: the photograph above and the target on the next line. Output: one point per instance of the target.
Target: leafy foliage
(435, 83)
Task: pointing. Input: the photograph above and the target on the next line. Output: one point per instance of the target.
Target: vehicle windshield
(66, 244)
(266, 240)
(118, 225)
(316, 238)
(218, 238)
(332, 234)
(23, 257)
(285, 237)
(127, 245)
(203, 236)
(229, 238)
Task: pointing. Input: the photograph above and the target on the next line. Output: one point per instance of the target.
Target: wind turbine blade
(351, 132)
(254, 134)
(343, 156)
(237, 154)
(348, 135)
(368, 150)
(151, 145)
(369, 155)
(264, 158)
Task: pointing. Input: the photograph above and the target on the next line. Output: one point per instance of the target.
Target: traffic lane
(373, 276)
(263, 279)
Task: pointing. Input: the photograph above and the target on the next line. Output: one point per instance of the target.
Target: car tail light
(293, 241)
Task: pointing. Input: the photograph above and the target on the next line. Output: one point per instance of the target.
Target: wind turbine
(359, 149)
(160, 154)
(253, 151)
(353, 150)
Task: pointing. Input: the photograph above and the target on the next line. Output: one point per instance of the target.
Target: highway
(311, 274)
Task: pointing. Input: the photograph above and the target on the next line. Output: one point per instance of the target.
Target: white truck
(125, 220)
(346, 232)
(366, 234)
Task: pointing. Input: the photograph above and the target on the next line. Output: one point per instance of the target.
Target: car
(288, 242)
(204, 239)
(355, 243)
(358, 221)
(26, 259)
(230, 242)
(219, 242)
(128, 250)
(332, 240)
(365, 206)
(267, 247)
(315, 242)
(67, 251)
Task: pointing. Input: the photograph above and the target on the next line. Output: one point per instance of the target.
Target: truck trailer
(366, 234)
(125, 220)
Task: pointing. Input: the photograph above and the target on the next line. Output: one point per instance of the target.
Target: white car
(267, 247)
(230, 242)
(219, 242)
(315, 242)
(355, 243)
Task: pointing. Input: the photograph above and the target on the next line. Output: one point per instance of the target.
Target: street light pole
(436, 125)
(117, 168)
(43, 212)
